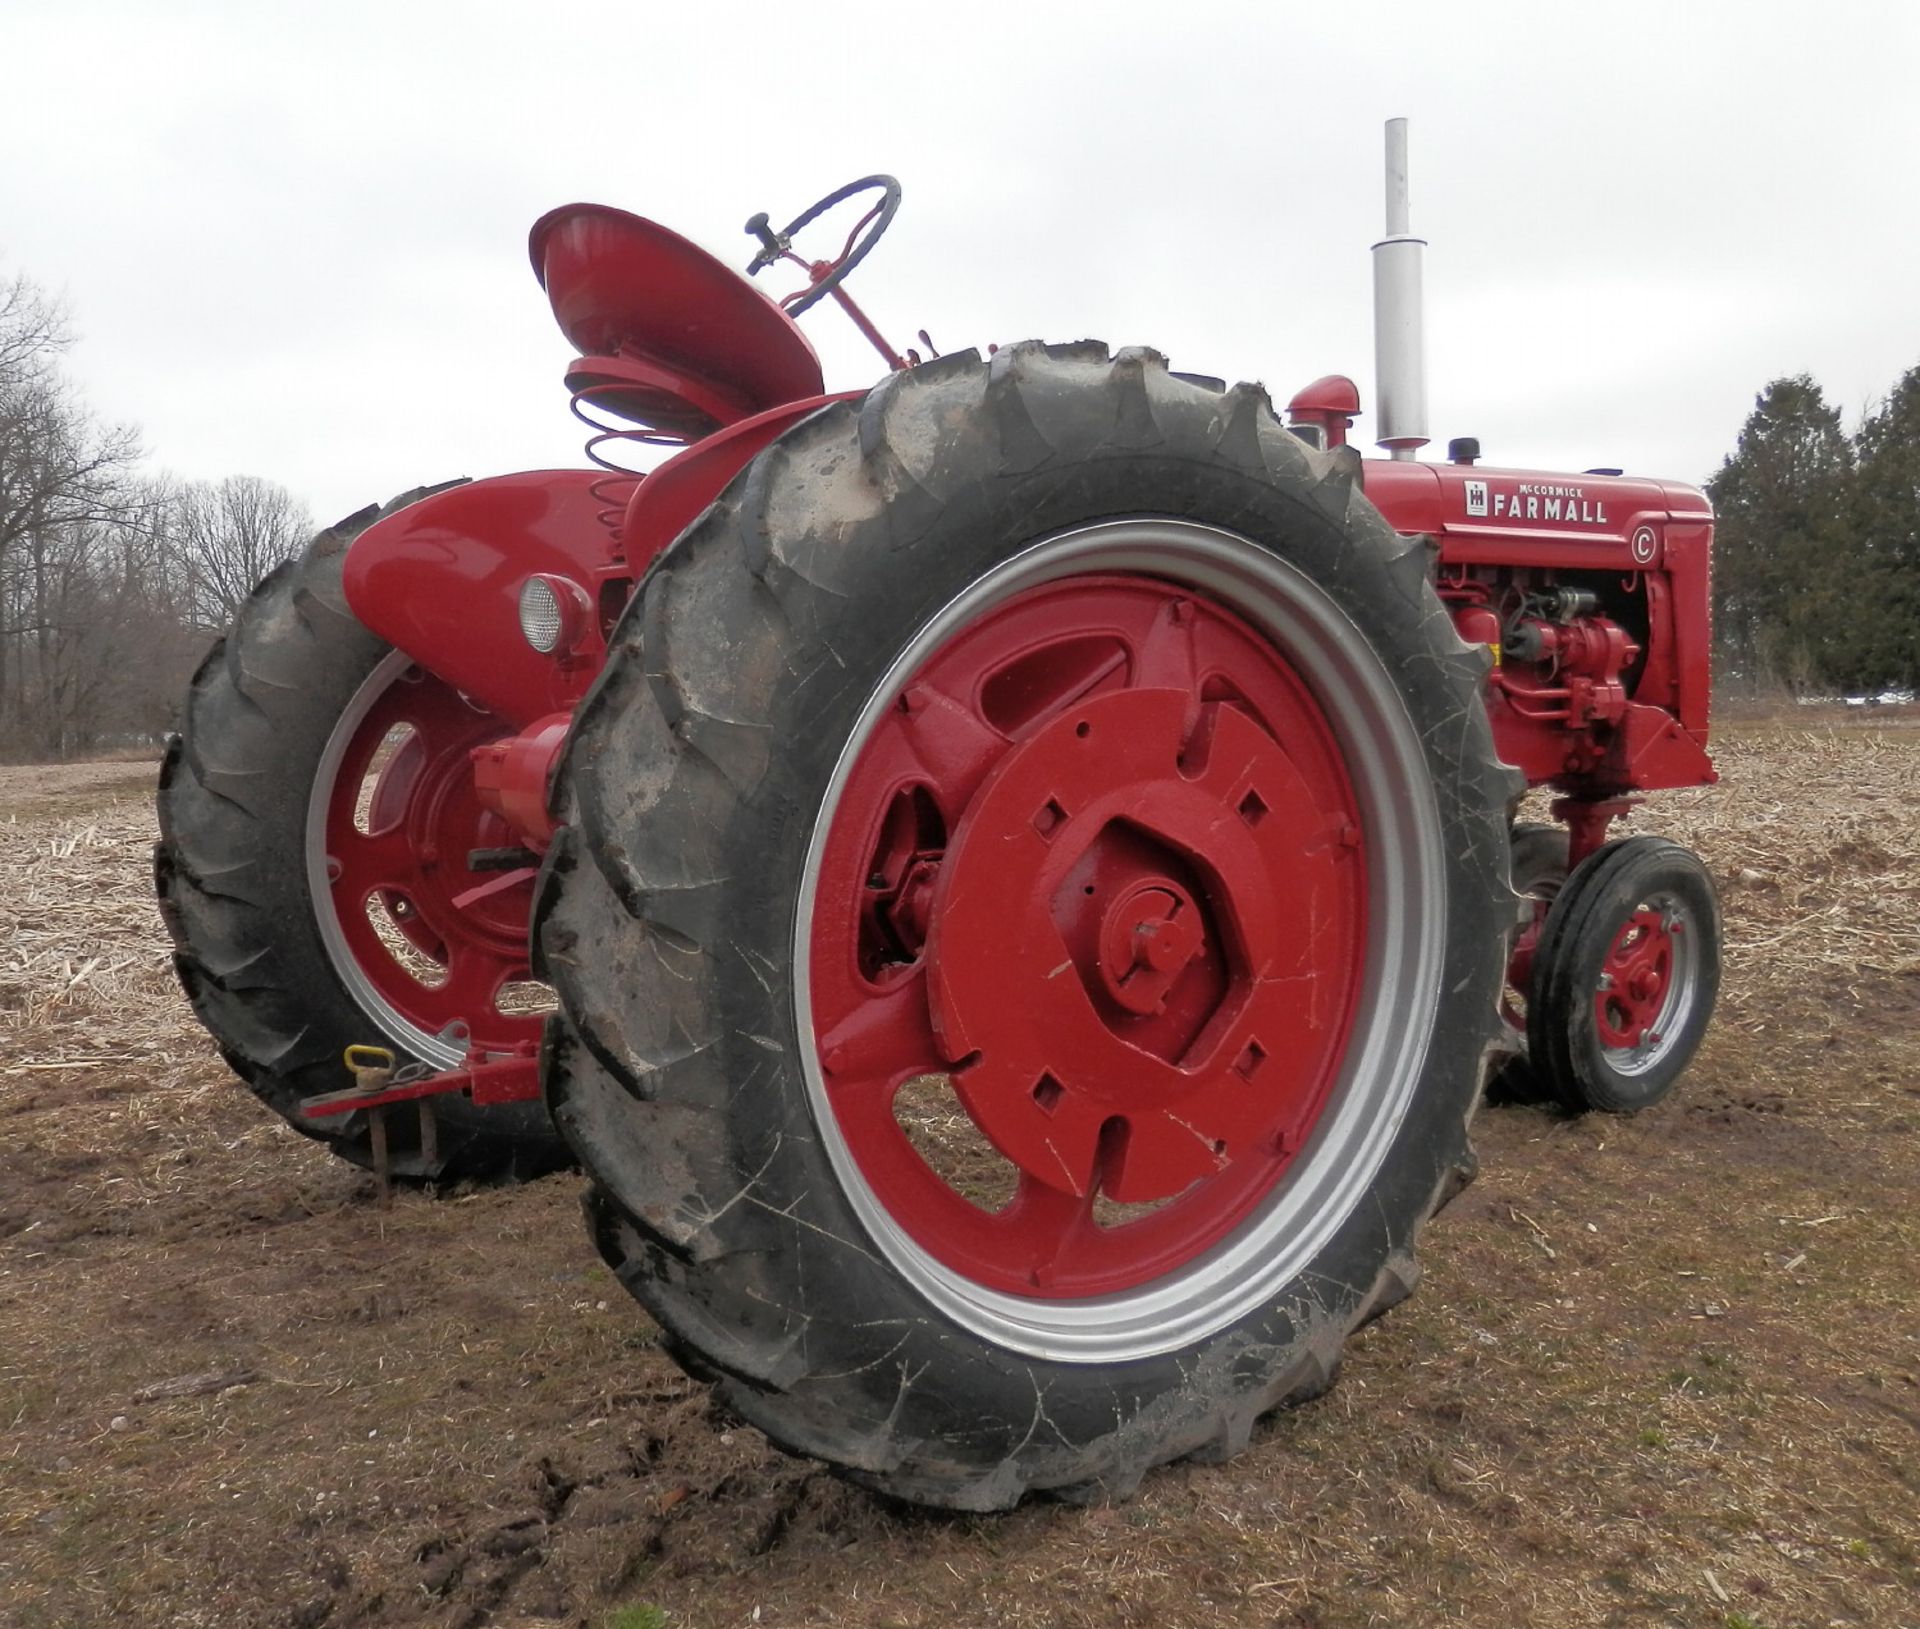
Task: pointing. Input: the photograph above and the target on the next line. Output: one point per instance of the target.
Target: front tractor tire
(316, 815)
(1031, 931)
(1625, 977)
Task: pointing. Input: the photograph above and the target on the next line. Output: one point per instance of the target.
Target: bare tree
(57, 465)
(110, 583)
(33, 331)
(228, 535)
(61, 475)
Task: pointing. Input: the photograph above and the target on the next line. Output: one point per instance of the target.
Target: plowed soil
(1662, 1371)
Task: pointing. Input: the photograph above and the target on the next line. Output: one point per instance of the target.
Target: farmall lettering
(1535, 500)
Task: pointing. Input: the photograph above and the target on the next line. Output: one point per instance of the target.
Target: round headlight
(543, 614)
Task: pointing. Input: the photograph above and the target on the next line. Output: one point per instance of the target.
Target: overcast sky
(292, 239)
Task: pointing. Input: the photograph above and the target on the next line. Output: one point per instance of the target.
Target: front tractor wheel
(1626, 976)
(1032, 929)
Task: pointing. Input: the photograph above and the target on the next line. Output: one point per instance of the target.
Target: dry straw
(86, 975)
(1813, 836)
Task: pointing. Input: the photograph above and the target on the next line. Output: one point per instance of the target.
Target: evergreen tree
(1886, 520)
(1782, 592)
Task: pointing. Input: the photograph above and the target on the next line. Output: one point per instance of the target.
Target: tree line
(112, 580)
(1817, 547)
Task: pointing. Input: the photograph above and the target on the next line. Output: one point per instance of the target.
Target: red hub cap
(1634, 981)
(1099, 870)
(417, 929)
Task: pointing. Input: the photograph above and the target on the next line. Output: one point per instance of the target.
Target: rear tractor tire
(1031, 929)
(1625, 976)
(316, 815)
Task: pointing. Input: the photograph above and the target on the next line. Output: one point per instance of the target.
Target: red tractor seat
(670, 337)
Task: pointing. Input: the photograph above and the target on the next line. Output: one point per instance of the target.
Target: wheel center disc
(1122, 961)
(1639, 976)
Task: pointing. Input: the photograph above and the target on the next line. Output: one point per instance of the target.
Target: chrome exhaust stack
(1399, 333)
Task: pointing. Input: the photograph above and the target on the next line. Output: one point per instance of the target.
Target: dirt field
(1662, 1371)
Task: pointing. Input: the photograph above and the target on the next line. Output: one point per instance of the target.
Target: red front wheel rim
(1647, 999)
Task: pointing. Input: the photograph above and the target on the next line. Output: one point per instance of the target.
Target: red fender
(671, 498)
(441, 580)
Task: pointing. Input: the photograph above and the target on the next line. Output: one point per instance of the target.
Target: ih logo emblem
(1476, 497)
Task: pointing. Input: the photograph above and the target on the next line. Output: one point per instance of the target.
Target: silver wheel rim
(1400, 986)
(1683, 989)
(432, 1049)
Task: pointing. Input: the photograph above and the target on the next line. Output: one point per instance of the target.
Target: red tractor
(1024, 852)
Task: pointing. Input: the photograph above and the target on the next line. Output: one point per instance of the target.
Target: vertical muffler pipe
(1399, 334)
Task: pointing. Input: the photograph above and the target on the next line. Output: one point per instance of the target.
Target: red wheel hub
(403, 829)
(1150, 935)
(1634, 981)
(1100, 868)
